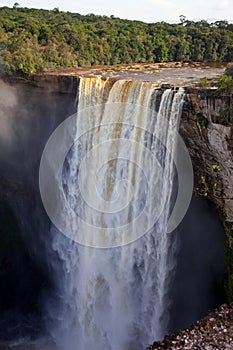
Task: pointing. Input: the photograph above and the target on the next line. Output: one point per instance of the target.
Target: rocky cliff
(207, 129)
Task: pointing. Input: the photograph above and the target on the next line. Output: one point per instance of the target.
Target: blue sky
(146, 10)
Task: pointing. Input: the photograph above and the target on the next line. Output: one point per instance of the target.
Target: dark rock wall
(207, 129)
(35, 109)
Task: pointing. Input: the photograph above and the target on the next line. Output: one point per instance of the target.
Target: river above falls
(177, 73)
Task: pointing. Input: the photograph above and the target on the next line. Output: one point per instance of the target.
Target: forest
(33, 40)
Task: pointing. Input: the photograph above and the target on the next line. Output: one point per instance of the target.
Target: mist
(27, 117)
(29, 296)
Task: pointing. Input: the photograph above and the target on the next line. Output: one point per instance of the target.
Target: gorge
(146, 287)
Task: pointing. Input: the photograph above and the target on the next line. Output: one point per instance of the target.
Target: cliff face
(207, 129)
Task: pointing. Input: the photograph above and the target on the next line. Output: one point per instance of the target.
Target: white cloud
(147, 10)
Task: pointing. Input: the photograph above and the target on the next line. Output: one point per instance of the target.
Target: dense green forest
(38, 40)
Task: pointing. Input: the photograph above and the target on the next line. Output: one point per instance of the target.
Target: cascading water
(118, 177)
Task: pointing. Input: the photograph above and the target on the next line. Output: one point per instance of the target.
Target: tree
(226, 83)
(229, 71)
(161, 51)
(33, 39)
(182, 19)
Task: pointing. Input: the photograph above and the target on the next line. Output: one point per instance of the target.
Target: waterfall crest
(118, 178)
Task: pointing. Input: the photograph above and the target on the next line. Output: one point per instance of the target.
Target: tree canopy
(33, 40)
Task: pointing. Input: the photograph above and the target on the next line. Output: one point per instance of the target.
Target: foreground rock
(214, 332)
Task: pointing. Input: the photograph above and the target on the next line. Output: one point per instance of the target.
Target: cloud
(168, 9)
(147, 10)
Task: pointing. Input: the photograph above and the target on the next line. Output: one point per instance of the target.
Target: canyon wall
(42, 103)
(207, 129)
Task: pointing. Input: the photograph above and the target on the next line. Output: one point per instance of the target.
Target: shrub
(204, 82)
(226, 83)
(229, 71)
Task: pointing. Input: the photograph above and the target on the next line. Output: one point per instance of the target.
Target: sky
(144, 10)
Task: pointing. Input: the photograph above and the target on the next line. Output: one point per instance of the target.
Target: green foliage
(202, 120)
(229, 71)
(204, 82)
(225, 83)
(228, 226)
(36, 40)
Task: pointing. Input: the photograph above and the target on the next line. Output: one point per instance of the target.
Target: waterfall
(118, 178)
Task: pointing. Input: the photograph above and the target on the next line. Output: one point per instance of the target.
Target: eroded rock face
(207, 130)
(206, 127)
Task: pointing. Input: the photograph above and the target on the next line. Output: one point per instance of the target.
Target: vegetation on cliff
(225, 83)
(34, 40)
